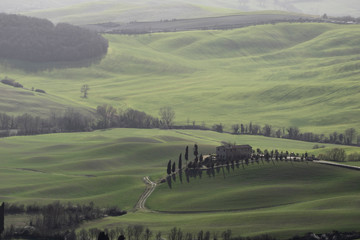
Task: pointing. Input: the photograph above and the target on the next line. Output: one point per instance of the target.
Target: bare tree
(235, 128)
(167, 116)
(107, 113)
(147, 234)
(84, 90)
(350, 133)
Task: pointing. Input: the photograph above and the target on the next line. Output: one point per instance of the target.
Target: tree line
(71, 120)
(39, 40)
(139, 232)
(55, 220)
(108, 116)
(211, 164)
(348, 137)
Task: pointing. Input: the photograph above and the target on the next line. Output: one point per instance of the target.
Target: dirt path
(150, 187)
(338, 165)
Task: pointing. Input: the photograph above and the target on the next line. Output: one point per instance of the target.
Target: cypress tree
(169, 168)
(187, 153)
(196, 153)
(173, 167)
(180, 162)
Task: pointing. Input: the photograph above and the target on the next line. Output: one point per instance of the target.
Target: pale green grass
(112, 10)
(15, 101)
(301, 75)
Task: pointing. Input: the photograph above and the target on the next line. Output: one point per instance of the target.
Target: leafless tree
(167, 116)
(107, 113)
(84, 90)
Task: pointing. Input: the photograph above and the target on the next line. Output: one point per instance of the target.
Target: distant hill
(95, 11)
(286, 74)
(39, 40)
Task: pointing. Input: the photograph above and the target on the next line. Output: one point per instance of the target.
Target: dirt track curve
(150, 187)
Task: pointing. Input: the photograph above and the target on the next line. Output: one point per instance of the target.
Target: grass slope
(103, 166)
(93, 11)
(259, 186)
(15, 101)
(284, 74)
(107, 167)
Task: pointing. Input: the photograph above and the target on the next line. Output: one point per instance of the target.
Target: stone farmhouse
(233, 152)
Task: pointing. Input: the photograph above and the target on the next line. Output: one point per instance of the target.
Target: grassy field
(301, 75)
(258, 186)
(107, 167)
(56, 166)
(81, 12)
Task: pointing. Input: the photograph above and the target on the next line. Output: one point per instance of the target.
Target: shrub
(334, 154)
(40, 91)
(11, 82)
(353, 157)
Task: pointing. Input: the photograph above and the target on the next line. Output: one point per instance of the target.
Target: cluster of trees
(139, 232)
(343, 19)
(73, 121)
(334, 154)
(11, 82)
(211, 161)
(129, 118)
(26, 124)
(32, 39)
(171, 168)
(349, 137)
(56, 219)
(212, 165)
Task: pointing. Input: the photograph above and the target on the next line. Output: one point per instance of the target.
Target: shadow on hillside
(33, 67)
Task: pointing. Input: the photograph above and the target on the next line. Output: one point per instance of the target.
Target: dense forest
(39, 40)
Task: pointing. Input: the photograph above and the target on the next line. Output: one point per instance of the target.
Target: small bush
(11, 82)
(353, 157)
(334, 154)
(40, 91)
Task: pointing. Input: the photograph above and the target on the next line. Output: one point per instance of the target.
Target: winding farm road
(150, 187)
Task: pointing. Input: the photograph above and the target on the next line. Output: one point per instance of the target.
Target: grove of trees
(39, 40)
(55, 220)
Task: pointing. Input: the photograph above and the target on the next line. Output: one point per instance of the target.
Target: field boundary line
(337, 164)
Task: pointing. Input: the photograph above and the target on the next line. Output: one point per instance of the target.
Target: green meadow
(106, 167)
(287, 74)
(87, 12)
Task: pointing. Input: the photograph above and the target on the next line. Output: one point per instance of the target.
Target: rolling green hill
(107, 167)
(286, 74)
(95, 11)
(15, 101)
(47, 167)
